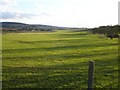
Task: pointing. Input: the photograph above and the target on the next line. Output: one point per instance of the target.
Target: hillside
(16, 26)
(22, 26)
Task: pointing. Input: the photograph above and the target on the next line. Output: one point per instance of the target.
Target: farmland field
(58, 60)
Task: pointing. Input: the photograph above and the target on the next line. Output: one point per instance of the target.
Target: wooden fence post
(91, 75)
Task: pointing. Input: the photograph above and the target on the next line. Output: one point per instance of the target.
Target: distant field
(58, 60)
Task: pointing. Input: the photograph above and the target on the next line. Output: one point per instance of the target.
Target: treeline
(106, 30)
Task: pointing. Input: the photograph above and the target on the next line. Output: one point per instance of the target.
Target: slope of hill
(13, 25)
(28, 27)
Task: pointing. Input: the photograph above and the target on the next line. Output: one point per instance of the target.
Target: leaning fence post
(91, 74)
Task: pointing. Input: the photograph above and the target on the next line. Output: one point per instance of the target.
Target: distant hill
(16, 26)
(22, 26)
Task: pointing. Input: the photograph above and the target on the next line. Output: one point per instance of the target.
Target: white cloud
(9, 10)
(8, 5)
(15, 15)
(81, 13)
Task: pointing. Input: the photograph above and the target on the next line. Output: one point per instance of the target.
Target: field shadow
(81, 46)
(59, 76)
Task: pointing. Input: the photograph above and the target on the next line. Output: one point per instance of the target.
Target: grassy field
(58, 60)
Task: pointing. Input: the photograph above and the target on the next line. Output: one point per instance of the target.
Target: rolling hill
(23, 26)
(16, 26)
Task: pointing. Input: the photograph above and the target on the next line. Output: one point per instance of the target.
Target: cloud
(60, 12)
(10, 10)
(8, 6)
(2, 3)
(15, 15)
(6, 2)
(7, 15)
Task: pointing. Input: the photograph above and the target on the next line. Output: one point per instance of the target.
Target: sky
(67, 13)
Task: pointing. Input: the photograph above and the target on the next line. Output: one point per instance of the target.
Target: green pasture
(58, 60)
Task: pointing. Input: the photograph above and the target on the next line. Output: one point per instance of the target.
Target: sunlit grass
(58, 60)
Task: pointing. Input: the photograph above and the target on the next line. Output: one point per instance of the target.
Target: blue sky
(71, 13)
